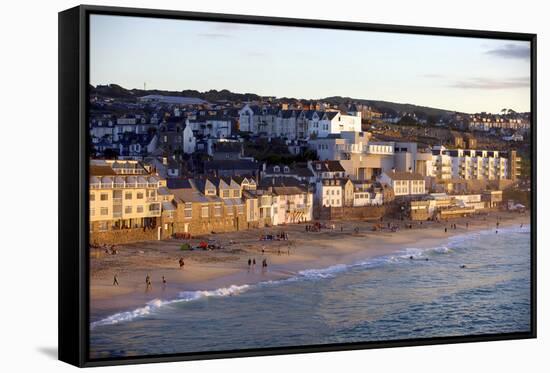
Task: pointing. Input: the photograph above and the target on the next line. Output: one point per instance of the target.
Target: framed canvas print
(239, 186)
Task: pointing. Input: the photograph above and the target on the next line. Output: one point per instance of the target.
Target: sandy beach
(349, 242)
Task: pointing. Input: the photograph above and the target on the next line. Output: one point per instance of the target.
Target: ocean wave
(156, 304)
(308, 274)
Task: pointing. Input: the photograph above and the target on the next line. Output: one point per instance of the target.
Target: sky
(455, 73)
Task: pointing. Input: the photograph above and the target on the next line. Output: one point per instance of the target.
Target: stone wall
(350, 213)
(122, 236)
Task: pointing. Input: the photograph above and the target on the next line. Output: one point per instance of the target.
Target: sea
(473, 284)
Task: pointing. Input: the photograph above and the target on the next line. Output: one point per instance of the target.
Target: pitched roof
(401, 175)
(288, 190)
(231, 165)
(328, 166)
(96, 170)
(331, 114)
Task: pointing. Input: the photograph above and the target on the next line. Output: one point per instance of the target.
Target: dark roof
(101, 170)
(301, 171)
(228, 147)
(288, 190)
(280, 182)
(401, 175)
(231, 165)
(178, 184)
(331, 114)
(330, 166)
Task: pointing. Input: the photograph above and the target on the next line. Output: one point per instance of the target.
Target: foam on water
(156, 305)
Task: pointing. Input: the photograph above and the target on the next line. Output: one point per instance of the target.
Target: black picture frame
(73, 182)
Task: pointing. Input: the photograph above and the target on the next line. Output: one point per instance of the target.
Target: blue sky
(463, 74)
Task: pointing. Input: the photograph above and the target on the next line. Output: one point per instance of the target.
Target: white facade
(211, 127)
(189, 140)
(404, 183)
(469, 164)
(329, 193)
(296, 124)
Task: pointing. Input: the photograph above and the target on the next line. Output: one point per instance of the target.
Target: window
(92, 197)
(104, 196)
(128, 195)
(236, 193)
(104, 211)
(188, 212)
(139, 195)
(139, 209)
(204, 212)
(102, 225)
(225, 194)
(218, 210)
(92, 212)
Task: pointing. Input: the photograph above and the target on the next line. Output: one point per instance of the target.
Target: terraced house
(207, 205)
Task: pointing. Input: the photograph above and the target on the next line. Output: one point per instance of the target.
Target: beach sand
(213, 269)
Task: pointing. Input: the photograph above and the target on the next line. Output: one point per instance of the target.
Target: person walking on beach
(249, 262)
(182, 263)
(148, 282)
(254, 262)
(445, 229)
(115, 280)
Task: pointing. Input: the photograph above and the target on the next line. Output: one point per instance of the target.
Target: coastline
(221, 269)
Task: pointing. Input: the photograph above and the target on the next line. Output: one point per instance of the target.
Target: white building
(189, 140)
(404, 183)
(361, 158)
(329, 193)
(296, 124)
(470, 164)
(211, 126)
(291, 205)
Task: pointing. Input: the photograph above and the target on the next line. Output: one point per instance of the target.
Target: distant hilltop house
(216, 126)
(175, 135)
(174, 100)
(487, 122)
(296, 123)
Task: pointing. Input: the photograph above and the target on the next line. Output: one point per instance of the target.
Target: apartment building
(469, 164)
(361, 158)
(124, 196)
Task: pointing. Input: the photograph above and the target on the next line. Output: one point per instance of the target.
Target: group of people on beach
(252, 263)
(148, 282)
(453, 226)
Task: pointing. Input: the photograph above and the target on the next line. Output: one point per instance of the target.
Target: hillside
(116, 91)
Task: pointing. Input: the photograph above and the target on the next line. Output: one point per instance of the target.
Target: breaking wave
(309, 274)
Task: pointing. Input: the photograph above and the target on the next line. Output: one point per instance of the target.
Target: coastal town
(176, 167)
